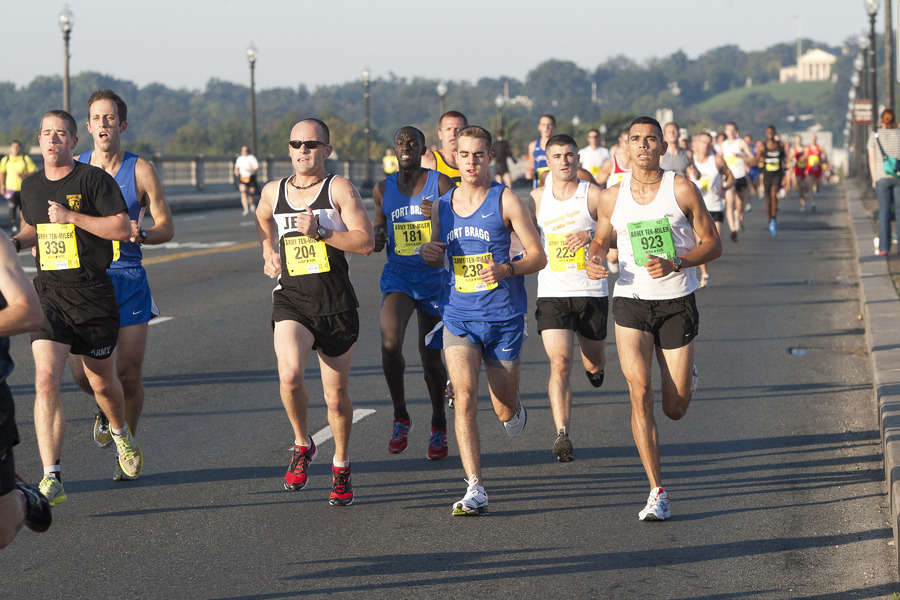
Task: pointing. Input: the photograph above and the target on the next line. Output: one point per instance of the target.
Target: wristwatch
(142, 233)
(677, 263)
(320, 231)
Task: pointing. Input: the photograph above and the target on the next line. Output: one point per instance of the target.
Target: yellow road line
(179, 255)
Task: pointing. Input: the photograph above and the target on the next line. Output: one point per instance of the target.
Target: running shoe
(562, 447)
(704, 280)
(773, 228)
(437, 445)
(474, 503)
(119, 474)
(296, 477)
(102, 436)
(52, 489)
(734, 236)
(398, 437)
(341, 490)
(37, 507)
(131, 457)
(748, 207)
(657, 508)
(516, 425)
(596, 379)
(448, 393)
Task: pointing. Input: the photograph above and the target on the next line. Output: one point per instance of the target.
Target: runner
(537, 155)
(402, 222)
(774, 161)
(797, 156)
(502, 155)
(593, 156)
(307, 223)
(20, 312)
(610, 175)
(444, 160)
(815, 158)
(676, 159)
(245, 168)
(714, 180)
(736, 154)
(752, 174)
(663, 229)
(14, 168)
(143, 191)
(569, 304)
(485, 302)
(71, 211)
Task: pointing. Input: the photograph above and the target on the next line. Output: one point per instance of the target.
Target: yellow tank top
(443, 167)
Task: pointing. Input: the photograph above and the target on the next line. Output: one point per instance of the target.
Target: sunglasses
(311, 144)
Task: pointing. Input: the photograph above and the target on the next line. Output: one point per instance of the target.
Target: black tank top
(773, 159)
(317, 287)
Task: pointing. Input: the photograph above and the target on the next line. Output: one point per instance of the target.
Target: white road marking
(247, 223)
(187, 245)
(159, 320)
(30, 269)
(324, 434)
(193, 218)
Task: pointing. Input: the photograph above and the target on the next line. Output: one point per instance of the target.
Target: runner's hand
(492, 272)
(577, 240)
(307, 224)
(595, 269)
(135, 232)
(658, 266)
(426, 208)
(272, 266)
(57, 212)
(380, 237)
(432, 252)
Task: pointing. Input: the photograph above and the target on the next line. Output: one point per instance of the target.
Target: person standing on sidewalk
(884, 143)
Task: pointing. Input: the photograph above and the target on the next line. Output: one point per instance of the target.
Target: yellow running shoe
(52, 489)
(131, 458)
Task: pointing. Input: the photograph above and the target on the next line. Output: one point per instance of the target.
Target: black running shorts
(7, 472)
(741, 184)
(86, 317)
(717, 215)
(9, 435)
(674, 323)
(583, 315)
(333, 335)
(772, 180)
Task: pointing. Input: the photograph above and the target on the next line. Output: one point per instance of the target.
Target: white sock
(52, 470)
(119, 432)
(341, 464)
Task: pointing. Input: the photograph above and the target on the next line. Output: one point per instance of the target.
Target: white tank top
(565, 275)
(634, 281)
(710, 184)
(734, 157)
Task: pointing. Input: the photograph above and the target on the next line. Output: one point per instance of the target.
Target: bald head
(318, 128)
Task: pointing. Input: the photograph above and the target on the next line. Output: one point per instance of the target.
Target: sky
(183, 44)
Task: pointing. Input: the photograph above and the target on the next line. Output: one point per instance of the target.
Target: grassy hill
(808, 93)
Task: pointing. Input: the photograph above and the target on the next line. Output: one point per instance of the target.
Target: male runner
(714, 180)
(815, 158)
(737, 156)
(409, 284)
(485, 302)
(14, 167)
(568, 303)
(307, 223)
(502, 154)
(593, 156)
(245, 168)
(72, 211)
(444, 160)
(663, 229)
(774, 164)
(797, 173)
(142, 191)
(752, 173)
(537, 155)
(20, 311)
(675, 159)
(612, 173)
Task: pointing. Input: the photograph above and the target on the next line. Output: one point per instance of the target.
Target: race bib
(116, 252)
(467, 270)
(305, 255)
(813, 160)
(595, 171)
(561, 258)
(651, 237)
(57, 247)
(409, 236)
(773, 165)
(705, 184)
(732, 160)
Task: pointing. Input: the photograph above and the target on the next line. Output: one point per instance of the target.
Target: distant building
(814, 65)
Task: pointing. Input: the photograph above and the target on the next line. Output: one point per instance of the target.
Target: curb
(880, 307)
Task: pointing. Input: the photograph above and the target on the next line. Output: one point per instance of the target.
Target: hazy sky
(185, 43)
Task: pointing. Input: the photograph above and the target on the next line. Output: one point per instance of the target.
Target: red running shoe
(341, 490)
(296, 478)
(398, 437)
(437, 446)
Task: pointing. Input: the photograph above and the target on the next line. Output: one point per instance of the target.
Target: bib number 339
(305, 255)
(57, 246)
(651, 237)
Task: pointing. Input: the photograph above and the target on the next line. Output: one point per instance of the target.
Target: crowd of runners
(458, 244)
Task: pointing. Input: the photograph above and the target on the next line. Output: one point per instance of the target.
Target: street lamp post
(872, 10)
(251, 58)
(365, 75)
(890, 58)
(441, 92)
(603, 131)
(499, 101)
(65, 24)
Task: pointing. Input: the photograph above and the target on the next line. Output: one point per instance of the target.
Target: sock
(119, 432)
(340, 464)
(53, 471)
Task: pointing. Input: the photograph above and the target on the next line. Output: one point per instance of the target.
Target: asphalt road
(775, 472)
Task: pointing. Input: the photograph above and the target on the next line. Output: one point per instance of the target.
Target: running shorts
(741, 184)
(771, 180)
(9, 435)
(717, 215)
(585, 316)
(500, 341)
(85, 317)
(422, 286)
(674, 323)
(333, 335)
(136, 305)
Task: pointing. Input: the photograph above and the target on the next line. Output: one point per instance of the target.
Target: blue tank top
(467, 239)
(399, 209)
(539, 156)
(129, 253)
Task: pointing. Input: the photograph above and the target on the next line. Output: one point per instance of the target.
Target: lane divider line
(324, 434)
(159, 320)
(155, 260)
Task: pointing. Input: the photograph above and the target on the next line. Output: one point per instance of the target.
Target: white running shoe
(657, 508)
(475, 501)
(516, 425)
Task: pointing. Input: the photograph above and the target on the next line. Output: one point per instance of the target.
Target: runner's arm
(359, 238)
(267, 230)
(433, 252)
(27, 236)
(603, 234)
(152, 195)
(529, 162)
(603, 175)
(519, 220)
(709, 246)
(23, 311)
(380, 222)
(725, 172)
(112, 227)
